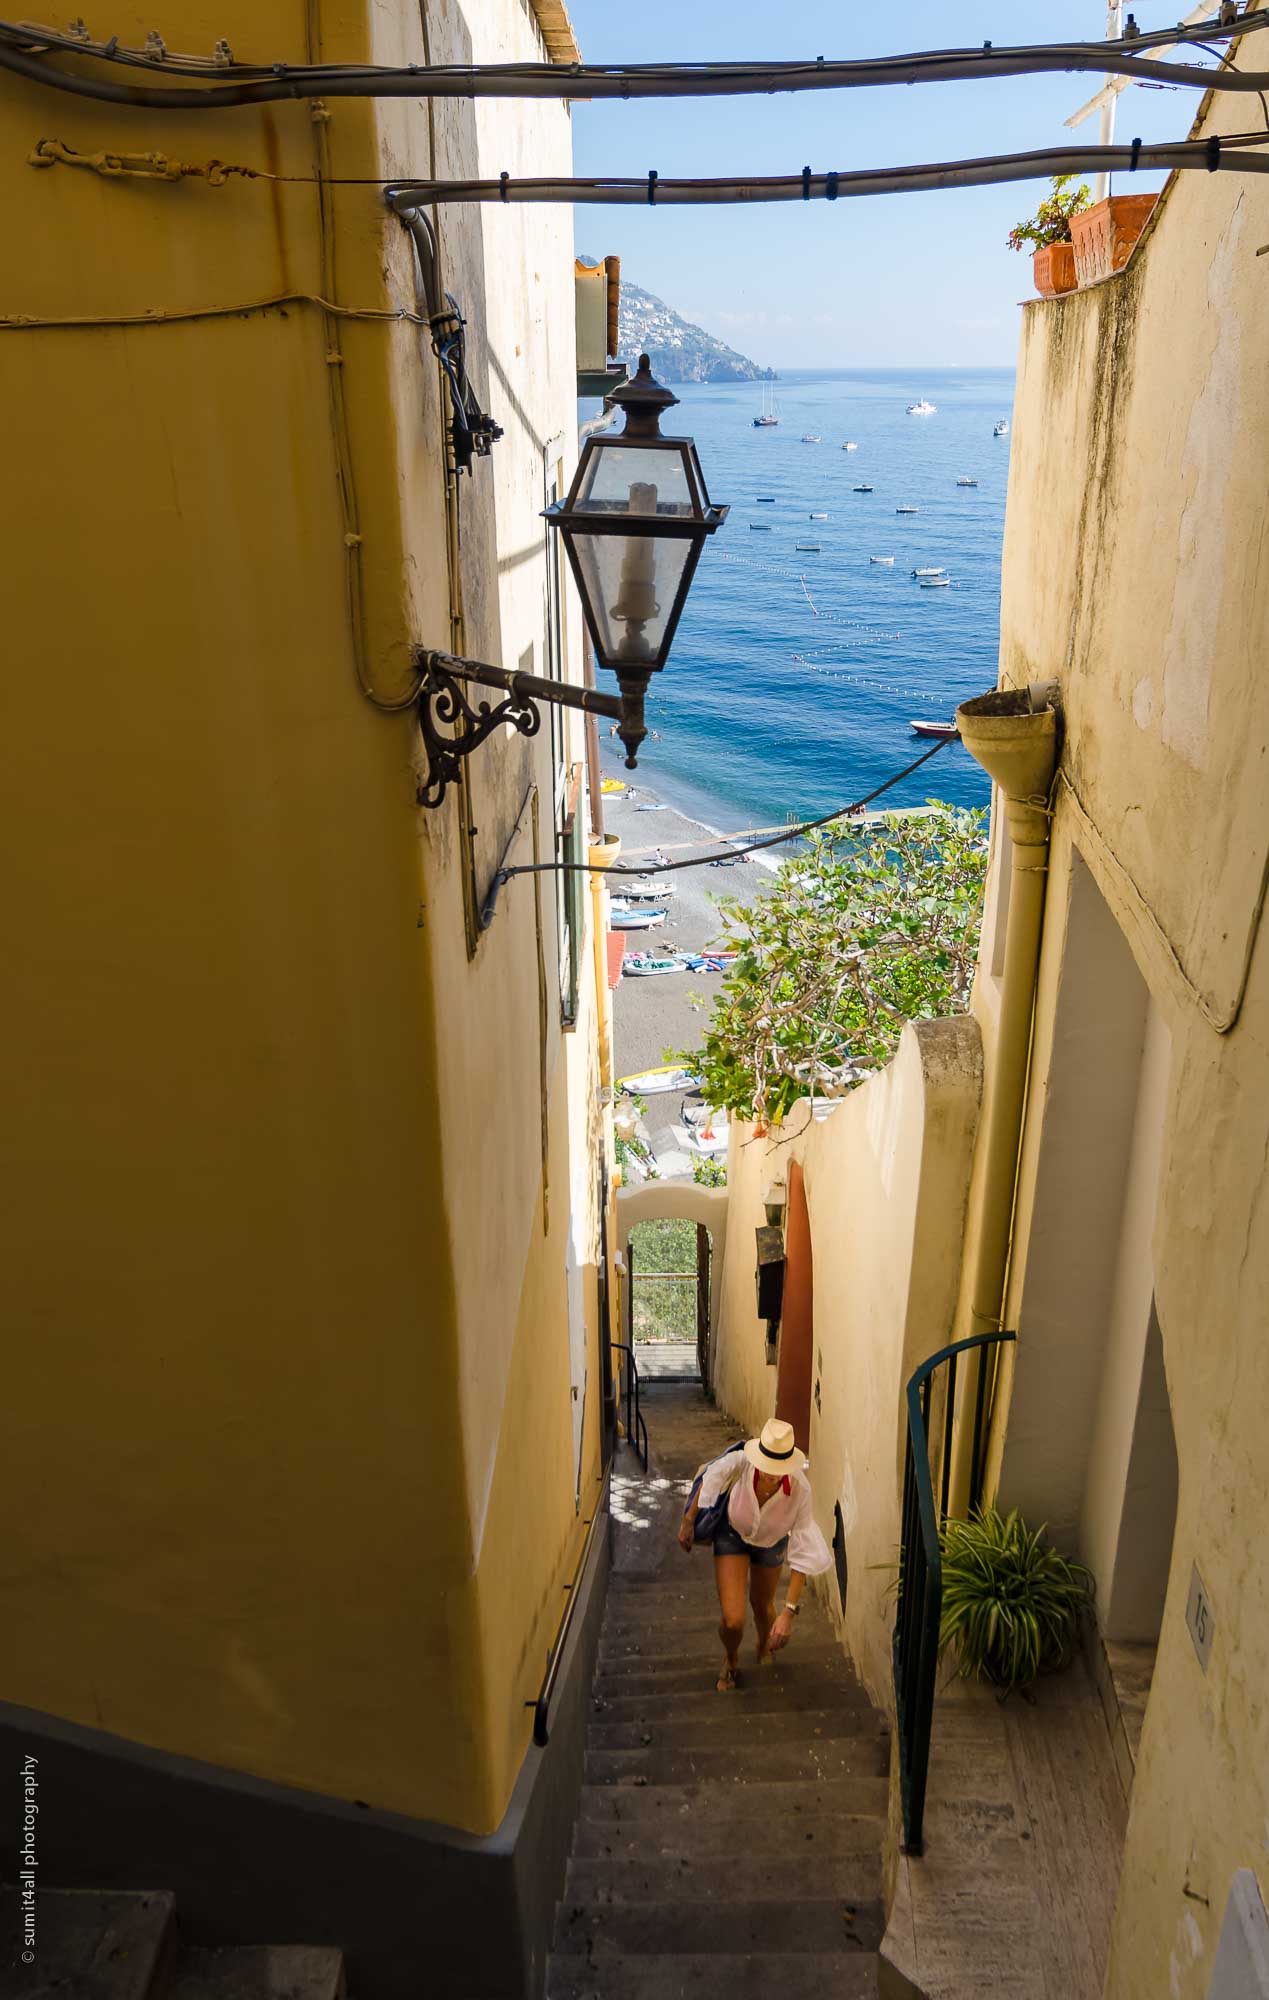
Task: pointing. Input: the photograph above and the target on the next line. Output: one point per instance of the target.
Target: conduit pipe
(1013, 734)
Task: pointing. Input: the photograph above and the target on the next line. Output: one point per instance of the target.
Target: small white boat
(934, 582)
(636, 917)
(907, 510)
(645, 965)
(818, 517)
(850, 445)
(655, 1082)
(645, 887)
(863, 488)
(942, 729)
(807, 548)
(809, 437)
(884, 562)
(934, 571)
(1001, 429)
(967, 482)
(924, 408)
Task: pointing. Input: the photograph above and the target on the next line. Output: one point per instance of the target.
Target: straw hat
(775, 1451)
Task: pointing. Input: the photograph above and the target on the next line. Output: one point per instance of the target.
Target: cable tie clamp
(222, 54)
(830, 187)
(111, 46)
(503, 178)
(806, 183)
(1136, 155)
(652, 188)
(1213, 153)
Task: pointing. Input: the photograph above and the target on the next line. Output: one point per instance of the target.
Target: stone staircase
(116, 1945)
(727, 1845)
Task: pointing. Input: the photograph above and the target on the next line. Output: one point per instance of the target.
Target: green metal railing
(636, 1428)
(920, 1608)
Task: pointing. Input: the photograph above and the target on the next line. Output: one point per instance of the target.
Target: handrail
(542, 1706)
(920, 1607)
(636, 1429)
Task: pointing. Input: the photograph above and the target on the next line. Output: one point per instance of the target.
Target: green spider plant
(1011, 1605)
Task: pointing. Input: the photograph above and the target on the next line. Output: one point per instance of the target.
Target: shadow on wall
(886, 1179)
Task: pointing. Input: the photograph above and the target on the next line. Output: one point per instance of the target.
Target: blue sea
(794, 676)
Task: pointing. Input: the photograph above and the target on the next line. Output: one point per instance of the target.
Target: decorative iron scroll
(452, 727)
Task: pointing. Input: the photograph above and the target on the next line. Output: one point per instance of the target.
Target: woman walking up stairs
(727, 1844)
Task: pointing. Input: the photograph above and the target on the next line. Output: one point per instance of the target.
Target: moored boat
(809, 437)
(920, 727)
(850, 445)
(818, 517)
(923, 408)
(760, 527)
(933, 570)
(967, 482)
(884, 562)
(933, 582)
(807, 548)
(863, 487)
(907, 510)
(1001, 429)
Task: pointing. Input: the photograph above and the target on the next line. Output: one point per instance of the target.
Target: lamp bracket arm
(452, 725)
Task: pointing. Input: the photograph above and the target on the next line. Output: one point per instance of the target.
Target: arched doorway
(797, 1322)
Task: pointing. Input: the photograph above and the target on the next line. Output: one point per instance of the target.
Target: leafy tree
(864, 931)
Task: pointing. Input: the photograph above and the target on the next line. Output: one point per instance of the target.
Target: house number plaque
(1198, 1616)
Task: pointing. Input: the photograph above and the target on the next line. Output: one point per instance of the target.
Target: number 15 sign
(1199, 1618)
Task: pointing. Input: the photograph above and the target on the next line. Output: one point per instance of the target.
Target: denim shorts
(728, 1543)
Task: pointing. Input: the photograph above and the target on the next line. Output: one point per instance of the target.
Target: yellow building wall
(284, 1215)
(1134, 573)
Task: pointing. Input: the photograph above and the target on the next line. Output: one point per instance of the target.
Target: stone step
(679, 1835)
(260, 1972)
(728, 1718)
(807, 1875)
(757, 1763)
(690, 1691)
(665, 1638)
(697, 1929)
(726, 1976)
(104, 1945)
(794, 1802)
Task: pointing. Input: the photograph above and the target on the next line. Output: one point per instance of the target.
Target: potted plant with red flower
(1049, 231)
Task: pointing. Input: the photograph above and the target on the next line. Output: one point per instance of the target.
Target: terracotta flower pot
(1103, 236)
(1053, 270)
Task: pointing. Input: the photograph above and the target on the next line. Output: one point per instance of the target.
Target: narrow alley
(726, 1844)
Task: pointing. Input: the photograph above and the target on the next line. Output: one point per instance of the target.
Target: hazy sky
(902, 279)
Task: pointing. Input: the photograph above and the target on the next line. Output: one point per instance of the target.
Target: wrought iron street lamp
(634, 523)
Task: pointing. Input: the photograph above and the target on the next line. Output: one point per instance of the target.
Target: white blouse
(784, 1514)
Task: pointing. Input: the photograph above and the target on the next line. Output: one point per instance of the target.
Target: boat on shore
(646, 965)
(636, 917)
(919, 727)
(656, 1082)
(645, 888)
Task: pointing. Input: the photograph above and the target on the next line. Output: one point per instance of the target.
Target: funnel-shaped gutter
(1013, 734)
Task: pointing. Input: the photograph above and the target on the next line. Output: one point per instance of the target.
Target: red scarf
(784, 1483)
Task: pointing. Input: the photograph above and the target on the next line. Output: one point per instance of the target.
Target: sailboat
(770, 413)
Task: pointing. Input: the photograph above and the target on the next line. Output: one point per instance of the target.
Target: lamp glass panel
(635, 479)
(630, 583)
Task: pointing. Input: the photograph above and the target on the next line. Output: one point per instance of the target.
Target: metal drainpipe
(1013, 735)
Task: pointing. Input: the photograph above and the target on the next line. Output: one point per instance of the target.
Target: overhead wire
(729, 846)
(25, 49)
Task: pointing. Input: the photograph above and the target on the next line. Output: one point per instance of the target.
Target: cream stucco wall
(886, 1174)
(288, 1172)
(1135, 574)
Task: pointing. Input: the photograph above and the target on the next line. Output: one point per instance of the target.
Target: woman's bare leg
(763, 1584)
(731, 1575)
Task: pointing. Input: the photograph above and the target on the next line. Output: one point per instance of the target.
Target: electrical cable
(264, 83)
(988, 170)
(780, 839)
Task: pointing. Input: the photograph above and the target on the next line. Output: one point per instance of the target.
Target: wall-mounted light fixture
(634, 523)
(774, 1200)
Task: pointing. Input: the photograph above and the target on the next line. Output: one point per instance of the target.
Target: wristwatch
(794, 1609)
